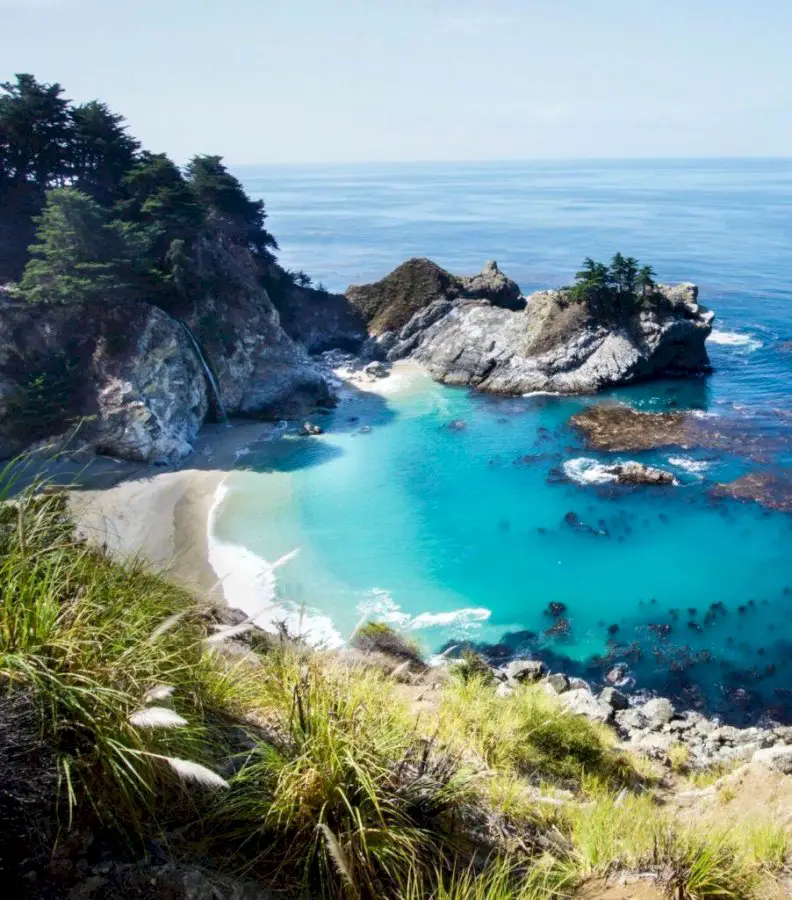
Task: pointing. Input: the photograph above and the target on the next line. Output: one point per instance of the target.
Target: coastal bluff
(478, 331)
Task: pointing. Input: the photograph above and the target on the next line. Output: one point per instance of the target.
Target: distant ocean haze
(463, 533)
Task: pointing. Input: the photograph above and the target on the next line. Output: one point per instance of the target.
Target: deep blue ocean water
(459, 533)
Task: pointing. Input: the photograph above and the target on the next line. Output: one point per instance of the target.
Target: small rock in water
(309, 428)
(555, 609)
(457, 425)
(376, 369)
(365, 429)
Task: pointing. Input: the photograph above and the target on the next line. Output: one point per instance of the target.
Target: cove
(450, 519)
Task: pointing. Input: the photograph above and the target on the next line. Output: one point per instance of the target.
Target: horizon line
(510, 160)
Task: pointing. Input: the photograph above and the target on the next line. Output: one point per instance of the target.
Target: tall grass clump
(529, 733)
(543, 878)
(79, 638)
(350, 798)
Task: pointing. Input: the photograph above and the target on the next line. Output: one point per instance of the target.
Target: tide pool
(461, 517)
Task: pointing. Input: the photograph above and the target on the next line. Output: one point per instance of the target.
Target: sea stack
(479, 331)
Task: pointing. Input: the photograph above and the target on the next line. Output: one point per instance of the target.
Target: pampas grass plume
(156, 717)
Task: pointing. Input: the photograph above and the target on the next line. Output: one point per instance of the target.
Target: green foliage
(241, 219)
(79, 255)
(472, 665)
(379, 637)
(143, 201)
(101, 151)
(528, 733)
(616, 290)
(45, 402)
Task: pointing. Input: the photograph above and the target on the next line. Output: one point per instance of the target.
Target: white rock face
(153, 399)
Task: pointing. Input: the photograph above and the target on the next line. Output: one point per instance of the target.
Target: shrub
(379, 637)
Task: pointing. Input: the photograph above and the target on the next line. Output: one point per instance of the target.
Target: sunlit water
(457, 531)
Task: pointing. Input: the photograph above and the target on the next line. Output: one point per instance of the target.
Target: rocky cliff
(132, 375)
(474, 331)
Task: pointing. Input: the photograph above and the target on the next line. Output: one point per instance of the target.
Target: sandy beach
(162, 514)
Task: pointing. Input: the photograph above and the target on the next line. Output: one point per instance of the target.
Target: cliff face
(553, 344)
(132, 375)
(260, 370)
(317, 319)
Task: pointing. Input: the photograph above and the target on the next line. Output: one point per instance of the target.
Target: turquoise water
(457, 531)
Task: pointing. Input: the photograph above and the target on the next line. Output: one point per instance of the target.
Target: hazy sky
(351, 80)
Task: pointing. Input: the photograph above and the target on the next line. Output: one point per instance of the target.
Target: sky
(329, 81)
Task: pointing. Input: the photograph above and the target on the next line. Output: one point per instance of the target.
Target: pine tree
(34, 136)
(78, 255)
(101, 151)
(240, 218)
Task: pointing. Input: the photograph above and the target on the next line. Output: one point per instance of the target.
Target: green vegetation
(86, 215)
(379, 637)
(616, 290)
(299, 769)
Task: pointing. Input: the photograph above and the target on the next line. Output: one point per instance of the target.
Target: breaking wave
(587, 471)
(735, 339)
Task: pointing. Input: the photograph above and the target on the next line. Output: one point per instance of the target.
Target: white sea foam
(694, 466)
(587, 471)
(461, 619)
(735, 339)
(249, 583)
(380, 606)
(542, 394)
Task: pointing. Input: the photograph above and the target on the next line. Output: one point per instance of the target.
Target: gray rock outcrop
(468, 331)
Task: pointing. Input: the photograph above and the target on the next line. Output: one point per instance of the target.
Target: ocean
(458, 532)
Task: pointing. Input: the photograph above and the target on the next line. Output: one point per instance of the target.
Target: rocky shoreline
(653, 727)
(136, 382)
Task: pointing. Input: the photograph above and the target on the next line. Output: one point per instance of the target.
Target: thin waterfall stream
(209, 374)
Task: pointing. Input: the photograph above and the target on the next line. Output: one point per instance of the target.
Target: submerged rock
(770, 489)
(475, 331)
(616, 427)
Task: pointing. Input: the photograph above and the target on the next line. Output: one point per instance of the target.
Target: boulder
(658, 712)
(582, 703)
(376, 369)
(615, 699)
(631, 720)
(310, 429)
(469, 331)
(778, 759)
(637, 473)
(525, 670)
(421, 288)
(557, 682)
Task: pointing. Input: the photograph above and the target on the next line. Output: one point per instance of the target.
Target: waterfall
(209, 373)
